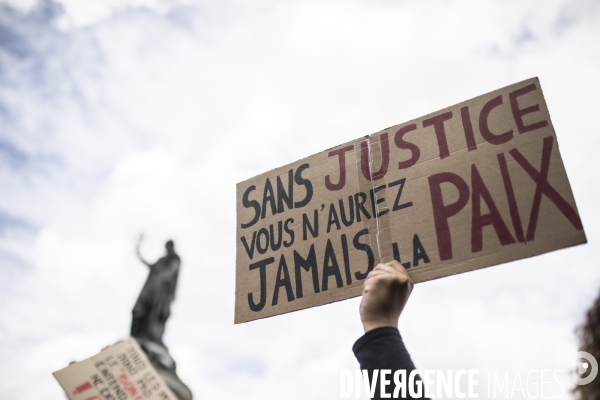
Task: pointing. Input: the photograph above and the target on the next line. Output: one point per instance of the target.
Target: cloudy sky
(124, 117)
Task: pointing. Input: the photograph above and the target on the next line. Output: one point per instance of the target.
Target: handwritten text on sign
(474, 185)
(120, 372)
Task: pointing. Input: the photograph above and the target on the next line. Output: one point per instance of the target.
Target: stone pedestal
(166, 367)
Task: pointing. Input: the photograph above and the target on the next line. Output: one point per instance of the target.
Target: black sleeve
(383, 349)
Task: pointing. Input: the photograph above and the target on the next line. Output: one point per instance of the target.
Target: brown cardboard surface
(476, 184)
(121, 371)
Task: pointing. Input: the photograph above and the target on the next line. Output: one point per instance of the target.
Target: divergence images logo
(586, 362)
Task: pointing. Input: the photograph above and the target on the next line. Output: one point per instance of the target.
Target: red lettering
(483, 123)
(440, 131)
(510, 195)
(82, 388)
(442, 212)
(127, 385)
(341, 153)
(519, 112)
(480, 191)
(543, 186)
(403, 144)
(365, 160)
(468, 127)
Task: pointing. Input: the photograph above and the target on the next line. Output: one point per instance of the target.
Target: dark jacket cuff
(375, 334)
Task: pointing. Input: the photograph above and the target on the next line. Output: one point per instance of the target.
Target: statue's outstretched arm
(139, 255)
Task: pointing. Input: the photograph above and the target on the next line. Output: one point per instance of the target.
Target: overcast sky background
(127, 116)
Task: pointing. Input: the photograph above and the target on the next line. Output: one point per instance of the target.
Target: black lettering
(350, 220)
(262, 266)
(282, 195)
(330, 267)
(276, 246)
(374, 202)
(306, 224)
(105, 392)
(96, 380)
(283, 281)
(333, 218)
(397, 205)
(346, 255)
(419, 251)
(303, 182)
(251, 203)
(360, 205)
(268, 196)
(249, 250)
(135, 357)
(396, 252)
(367, 249)
(289, 232)
(265, 232)
(130, 369)
(308, 264)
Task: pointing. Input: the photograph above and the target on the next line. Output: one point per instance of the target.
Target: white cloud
(141, 117)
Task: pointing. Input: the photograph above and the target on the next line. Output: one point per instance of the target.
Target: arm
(139, 255)
(385, 293)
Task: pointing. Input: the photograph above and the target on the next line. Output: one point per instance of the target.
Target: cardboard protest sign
(473, 185)
(119, 372)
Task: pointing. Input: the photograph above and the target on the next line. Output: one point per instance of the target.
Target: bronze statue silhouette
(153, 306)
(150, 315)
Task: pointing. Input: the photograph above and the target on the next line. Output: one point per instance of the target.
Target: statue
(153, 306)
(151, 312)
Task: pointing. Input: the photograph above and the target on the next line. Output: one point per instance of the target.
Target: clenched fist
(385, 293)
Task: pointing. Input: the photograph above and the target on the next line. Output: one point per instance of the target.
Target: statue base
(165, 365)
